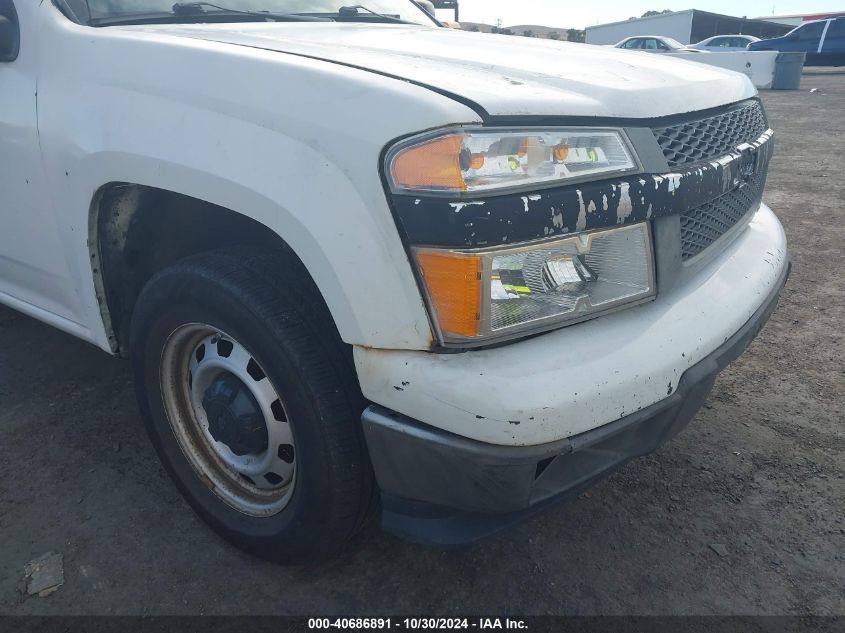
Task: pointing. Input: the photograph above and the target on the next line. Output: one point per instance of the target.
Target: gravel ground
(743, 513)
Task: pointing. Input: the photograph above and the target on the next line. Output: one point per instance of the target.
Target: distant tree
(554, 35)
(575, 35)
(528, 33)
(648, 14)
(507, 32)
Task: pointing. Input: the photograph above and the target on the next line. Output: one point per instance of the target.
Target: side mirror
(9, 40)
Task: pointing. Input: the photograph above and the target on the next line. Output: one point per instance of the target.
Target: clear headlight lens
(476, 161)
(482, 295)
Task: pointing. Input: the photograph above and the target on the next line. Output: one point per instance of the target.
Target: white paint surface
(504, 75)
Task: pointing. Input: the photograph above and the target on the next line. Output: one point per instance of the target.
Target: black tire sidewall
(306, 523)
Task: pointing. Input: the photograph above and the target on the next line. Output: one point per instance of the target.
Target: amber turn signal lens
(435, 164)
(453, 282)
(561, 152)
(471, 160)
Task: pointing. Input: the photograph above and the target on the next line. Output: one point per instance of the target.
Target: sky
(568, 14)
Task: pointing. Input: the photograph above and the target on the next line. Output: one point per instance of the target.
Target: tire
(265, 305)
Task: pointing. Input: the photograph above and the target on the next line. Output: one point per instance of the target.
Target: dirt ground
(760, 471)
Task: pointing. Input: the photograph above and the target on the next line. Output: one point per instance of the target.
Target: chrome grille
(702, 226)
(711, 137)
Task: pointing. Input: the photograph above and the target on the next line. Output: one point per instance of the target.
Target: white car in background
(654, 44)
(724, 43)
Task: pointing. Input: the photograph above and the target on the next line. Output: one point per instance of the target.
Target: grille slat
(705, 139)
(702, 226)
(711, 137)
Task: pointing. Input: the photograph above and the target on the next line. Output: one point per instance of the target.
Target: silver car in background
(725, 43)
(654, 44)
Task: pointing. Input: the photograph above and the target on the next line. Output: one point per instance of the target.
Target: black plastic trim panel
(494, 220)
(545, 120)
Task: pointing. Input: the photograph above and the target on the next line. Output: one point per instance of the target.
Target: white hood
(505, 75)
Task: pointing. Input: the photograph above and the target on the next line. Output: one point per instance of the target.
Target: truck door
(805, 39)
(833, 45)
(34, 274)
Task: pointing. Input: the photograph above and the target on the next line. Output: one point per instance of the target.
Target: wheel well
(137, 231)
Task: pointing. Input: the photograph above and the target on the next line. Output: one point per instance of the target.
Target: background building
(687, 27)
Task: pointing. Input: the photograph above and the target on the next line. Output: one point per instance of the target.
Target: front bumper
(444, 489)
(581, 377)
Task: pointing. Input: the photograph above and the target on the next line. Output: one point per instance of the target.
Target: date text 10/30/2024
(435, 624)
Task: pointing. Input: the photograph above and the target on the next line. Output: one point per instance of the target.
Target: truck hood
(501, 75)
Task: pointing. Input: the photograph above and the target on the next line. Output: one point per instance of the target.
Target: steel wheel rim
(195, 358)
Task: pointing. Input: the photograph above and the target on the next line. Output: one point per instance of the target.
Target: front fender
(290, 142)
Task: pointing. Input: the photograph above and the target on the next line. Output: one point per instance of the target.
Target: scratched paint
(527, 200)
(440, 221)
(459, 206)
(625, 207)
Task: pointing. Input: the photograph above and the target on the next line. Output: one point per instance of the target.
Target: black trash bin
(788, 68)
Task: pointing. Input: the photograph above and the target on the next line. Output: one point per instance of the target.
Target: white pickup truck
(362, 263)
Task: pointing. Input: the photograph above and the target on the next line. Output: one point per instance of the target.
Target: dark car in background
(822, 40)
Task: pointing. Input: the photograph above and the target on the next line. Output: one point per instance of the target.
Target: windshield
(808, 29)
(673, 43)
(405, 10)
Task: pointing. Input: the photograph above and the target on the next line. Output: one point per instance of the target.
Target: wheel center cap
(234, 417)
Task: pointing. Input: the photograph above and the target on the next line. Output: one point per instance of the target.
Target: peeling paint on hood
(504, 75)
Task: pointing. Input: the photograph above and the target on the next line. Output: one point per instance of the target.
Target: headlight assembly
(474, 161)
(479, 296)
